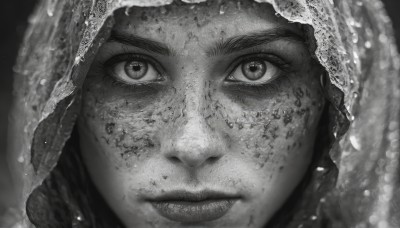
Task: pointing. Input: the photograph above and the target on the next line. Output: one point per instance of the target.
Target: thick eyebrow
(239, 43)
(140, 42)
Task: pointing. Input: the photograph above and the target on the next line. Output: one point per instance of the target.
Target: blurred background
(13, 21)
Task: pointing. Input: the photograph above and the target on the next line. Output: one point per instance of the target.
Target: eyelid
(134, 56)
(273, 59)
(278, 62)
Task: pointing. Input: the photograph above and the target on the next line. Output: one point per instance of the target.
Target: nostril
(174, 159)
(213, 159)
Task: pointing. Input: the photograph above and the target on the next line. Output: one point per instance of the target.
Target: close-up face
(200, 114)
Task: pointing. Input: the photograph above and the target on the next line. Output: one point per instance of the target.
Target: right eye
(133, 70)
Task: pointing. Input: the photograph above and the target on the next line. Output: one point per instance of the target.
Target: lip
(193, 207)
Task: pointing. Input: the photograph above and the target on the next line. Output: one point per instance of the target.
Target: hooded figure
(351, 181)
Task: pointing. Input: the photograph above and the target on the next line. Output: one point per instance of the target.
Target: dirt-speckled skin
(194, 131)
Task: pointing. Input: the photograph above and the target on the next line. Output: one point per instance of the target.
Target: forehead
(205, 22)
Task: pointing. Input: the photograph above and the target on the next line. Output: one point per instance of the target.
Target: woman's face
(200, 115)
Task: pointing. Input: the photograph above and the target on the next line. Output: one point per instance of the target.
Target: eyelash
(129, 57)
(273, 85)
(276, 61)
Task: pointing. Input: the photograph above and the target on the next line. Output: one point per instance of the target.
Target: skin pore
(186, 98)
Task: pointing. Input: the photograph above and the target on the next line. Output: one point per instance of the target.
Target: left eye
(254, 71)
(134, 71)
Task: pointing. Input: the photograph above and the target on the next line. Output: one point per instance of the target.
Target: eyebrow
(140, 42)
(239, 43)
(223, 47)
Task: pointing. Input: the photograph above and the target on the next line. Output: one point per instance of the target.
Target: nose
(194, 145)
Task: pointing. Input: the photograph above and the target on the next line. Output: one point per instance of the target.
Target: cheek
(124, 130)
(274, 133)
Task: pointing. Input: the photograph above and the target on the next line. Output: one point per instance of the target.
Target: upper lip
(183, 195)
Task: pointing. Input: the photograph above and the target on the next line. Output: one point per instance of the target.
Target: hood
(355, 183)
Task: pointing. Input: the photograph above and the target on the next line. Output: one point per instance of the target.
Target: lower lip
(194, 212)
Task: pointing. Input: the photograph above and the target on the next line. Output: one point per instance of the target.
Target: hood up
(355, 45)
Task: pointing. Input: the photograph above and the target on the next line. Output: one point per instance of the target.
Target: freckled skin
(193, 132)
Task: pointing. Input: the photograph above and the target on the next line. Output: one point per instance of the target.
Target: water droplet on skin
(79, 218)
(355, 142)
(320, 169)
(230, 124)
(21, 159)
(239, 5)
(43, 82)
(163, 10)
(368, 44)
(110, 128)
(222, 9)
(127, 11)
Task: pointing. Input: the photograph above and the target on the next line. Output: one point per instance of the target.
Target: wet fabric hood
(355, 45)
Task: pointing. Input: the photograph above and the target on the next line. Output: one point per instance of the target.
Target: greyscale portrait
(196, 113)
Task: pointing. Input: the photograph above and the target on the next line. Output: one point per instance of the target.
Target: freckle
(297, 103)
(153, 182)
(275, 114)
(289, 134)
(106, 139)
(257, 155)
(299, 92)
(144, 17)
(165, 177)
(281, 168)
(251, 220)
(110, 128)
(149, 121)
(287, 117)
(308, 93)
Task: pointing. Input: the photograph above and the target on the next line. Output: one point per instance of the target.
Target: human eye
(254, 70)
(133, 69)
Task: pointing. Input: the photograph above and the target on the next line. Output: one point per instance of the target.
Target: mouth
(192, 207)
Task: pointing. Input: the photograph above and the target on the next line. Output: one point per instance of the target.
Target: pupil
(254, 70)
(253, 67)
(136, 67)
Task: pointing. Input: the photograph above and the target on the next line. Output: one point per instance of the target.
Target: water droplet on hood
(21, 159)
